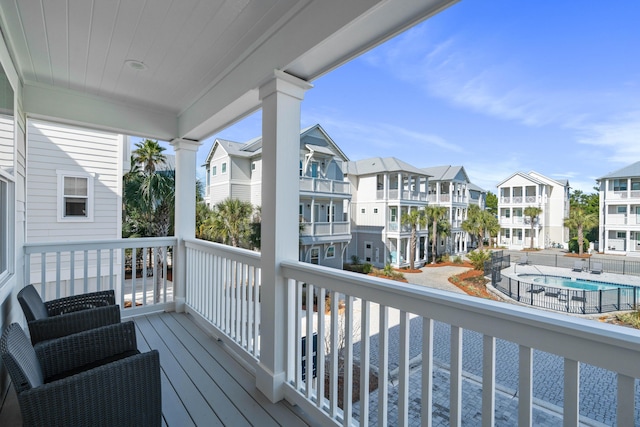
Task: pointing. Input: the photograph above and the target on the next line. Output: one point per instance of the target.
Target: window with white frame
(4, 226)
(315, 255)
(331, 252)
(224, 168)
(75, 196)
(214, 170)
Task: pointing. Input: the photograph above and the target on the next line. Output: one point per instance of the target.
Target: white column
(281, 97)
(185, 212)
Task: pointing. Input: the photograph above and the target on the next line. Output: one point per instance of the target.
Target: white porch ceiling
(204, 59)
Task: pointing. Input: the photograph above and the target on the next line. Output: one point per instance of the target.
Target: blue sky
(497, 86)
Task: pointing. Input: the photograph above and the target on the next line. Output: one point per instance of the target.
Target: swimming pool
(569, 282)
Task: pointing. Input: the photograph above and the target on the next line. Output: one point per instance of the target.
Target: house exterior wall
(323, 196)
(533, 189)
(13, 175)
(55, 149)
(619, 220)
(377, 239)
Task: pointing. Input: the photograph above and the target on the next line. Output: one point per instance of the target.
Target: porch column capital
(185, 144)
(284, 83)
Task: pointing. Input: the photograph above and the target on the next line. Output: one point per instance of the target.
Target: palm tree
(435, 214)
(230, 222)
(149, 154)
(473, 223)
(414, 218)
(532, 212)
(580, 220)
(480, 222)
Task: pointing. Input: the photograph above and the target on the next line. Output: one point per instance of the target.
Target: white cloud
(618, 139)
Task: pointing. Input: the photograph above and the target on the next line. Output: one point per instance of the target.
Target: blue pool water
(589, 285)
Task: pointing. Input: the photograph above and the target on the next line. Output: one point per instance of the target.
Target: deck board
(202, 384)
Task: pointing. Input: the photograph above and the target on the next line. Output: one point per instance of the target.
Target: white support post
(281, 97)
(185, 213)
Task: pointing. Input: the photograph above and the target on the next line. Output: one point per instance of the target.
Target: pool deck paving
(597, 386)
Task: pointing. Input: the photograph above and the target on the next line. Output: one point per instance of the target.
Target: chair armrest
(71, 323)
(77, 350)
(126, 392)
(80, 302)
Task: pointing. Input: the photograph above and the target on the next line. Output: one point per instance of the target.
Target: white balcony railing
(140, 271)
(363, 328)
(319, 185)
(223, 286)
(325, 228)
(370, 317)
(616, 219)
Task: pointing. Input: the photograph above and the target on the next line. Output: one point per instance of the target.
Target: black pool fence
(578, 301)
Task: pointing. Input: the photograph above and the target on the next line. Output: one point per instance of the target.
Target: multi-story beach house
(522, 190)
(383, 190)
(620, 211)
(235, 170)
(449, 186)
(233, 336)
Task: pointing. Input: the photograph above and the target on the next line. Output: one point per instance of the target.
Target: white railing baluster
(308, 351)
(43, 275)
(298, 333)
(333, 380)
(625, 413)
(321, 349)
(58, 274)
(571, 413)
(365, 327)
(348, 362)
(86, 271)
(488, 380)
(427, 372)
(403, 375)
(72, 272)
(383, 368)
(455, 373)
(525, 385)
(98, 270)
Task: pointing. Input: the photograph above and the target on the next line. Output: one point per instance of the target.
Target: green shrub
(366, 268)
(573, 245)
(478, 258)
(457, 260)
(355, 260)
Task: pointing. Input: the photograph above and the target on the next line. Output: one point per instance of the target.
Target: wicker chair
(95, 378)
(65, 316)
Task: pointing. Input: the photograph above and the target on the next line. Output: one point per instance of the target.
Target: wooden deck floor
(202, 384)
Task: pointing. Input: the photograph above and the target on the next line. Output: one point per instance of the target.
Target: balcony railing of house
(459, 199)
(619, 194)
(138, 270)
(320, 185)
(367, 321)
(616, 219)
(505, 200)
(326, 228)
(616, 244)
(634, 194)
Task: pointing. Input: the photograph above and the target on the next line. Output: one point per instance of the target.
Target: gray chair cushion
(20, 359)
(31, 303)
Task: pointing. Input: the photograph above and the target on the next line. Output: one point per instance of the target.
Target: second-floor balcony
(395, 194)
(321, 185)
(369, 327)
(336, 228)
(523, 200)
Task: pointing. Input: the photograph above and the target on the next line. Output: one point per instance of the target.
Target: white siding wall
(53, 147)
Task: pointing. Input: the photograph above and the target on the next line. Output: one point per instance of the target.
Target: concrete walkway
(437, 277)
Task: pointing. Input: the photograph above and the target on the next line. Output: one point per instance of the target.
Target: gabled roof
(537, 178)
(253, 147)
(471, 186)
(523, 175)
(379, 164)
(633, 170)
(446, 172)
